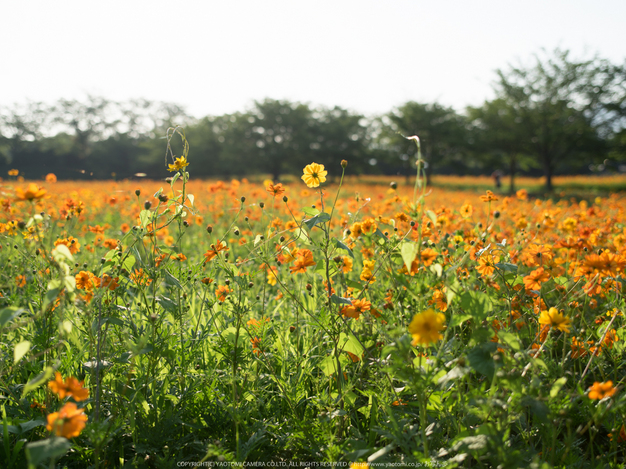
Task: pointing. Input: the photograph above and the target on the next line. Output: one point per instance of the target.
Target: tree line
(556, 115)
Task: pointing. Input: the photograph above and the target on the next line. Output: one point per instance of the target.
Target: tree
(497, 136)
(281, 133)
(565, 109)
(441, 131)
(337, 135)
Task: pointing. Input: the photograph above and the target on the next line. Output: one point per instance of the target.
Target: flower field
(155, 324)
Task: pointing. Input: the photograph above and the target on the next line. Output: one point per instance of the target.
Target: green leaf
(191, 199)
(433, 217)
(9, 314)
(129, 263)
(436, 269)
(61, 253)
(168, 304)
(381, 234)
(311, 211)
(317, 219)
(340, 300)
(408, 251)
(38, 380)
(510, 339)
(480, 358)
(476, 303)
(556, 387)
(145, 217)
(20, 350)
(459, 319)
(39, 452)
(171, 280)
(539, 410)
(340, 245)
(506, 267)
(257, 239)
(328, 366)
(349, 343)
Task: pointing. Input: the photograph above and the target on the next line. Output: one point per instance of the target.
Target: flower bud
(344, 163)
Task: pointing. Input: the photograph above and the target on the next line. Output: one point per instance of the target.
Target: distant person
(497, 178)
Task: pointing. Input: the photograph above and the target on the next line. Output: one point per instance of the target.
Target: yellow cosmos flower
(314, 175)
(179, 164)
(553, 318)
(426, 327)
(31, 193)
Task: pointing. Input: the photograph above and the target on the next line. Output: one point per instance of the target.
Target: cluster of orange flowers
(70, 420)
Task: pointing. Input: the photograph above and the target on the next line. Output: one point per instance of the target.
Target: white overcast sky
(216, 57)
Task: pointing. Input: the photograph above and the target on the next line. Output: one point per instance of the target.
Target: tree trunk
(548, 174)
(512, 168)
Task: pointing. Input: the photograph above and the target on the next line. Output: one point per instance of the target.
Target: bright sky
(216, 57)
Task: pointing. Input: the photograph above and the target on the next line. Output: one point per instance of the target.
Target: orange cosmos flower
(601, 390)
(71, 387)
(72, 244)
(85, 280)
(275, 189)
(489, 197)
(355, 310)
(428, 255)
(222, 292)
(303, 260)
(68, 422)
(31, 193)
(534, 280)
(214, 251)
(51, 178)
(487, 264)
(20, 281)
(13, 172)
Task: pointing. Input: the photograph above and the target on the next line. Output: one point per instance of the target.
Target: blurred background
(264, 88)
